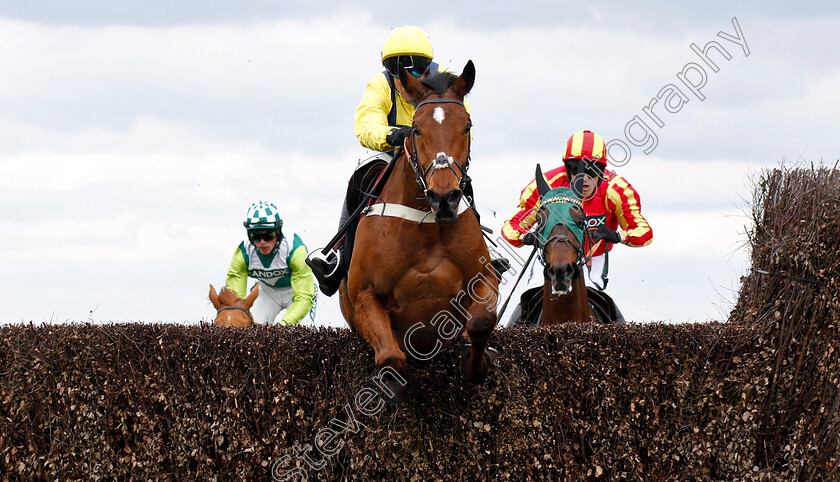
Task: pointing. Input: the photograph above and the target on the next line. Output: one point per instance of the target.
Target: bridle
(581, 257)
(442, 160)
(232, 307)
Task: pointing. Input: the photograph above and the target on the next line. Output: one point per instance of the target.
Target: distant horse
(561, 241)
(420, 271)
(232, 310)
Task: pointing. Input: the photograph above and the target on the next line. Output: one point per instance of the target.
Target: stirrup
(333, 258)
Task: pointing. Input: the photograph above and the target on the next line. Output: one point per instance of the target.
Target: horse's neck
(402, 187)
(573, 307)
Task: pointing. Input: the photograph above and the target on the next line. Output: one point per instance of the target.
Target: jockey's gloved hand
(398, 135)
(530, 239)
(606, 234)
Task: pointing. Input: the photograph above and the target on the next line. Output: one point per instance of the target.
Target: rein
(442, 160)
(223, 308)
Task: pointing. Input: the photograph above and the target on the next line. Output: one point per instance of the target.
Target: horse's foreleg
(479, 328)
(374, 324)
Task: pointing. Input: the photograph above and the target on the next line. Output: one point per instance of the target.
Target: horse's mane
(228, 297)
(439, 82)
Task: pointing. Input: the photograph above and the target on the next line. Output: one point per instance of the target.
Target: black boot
(327, 271)
(500, 265)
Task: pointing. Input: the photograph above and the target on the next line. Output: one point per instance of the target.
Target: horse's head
(439, 145)
(560, 234)
(232, 310)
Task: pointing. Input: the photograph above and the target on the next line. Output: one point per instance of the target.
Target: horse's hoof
(395, 392)
(478, 381)
(490, 353)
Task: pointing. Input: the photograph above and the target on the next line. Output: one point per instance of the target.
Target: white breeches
(270, 302)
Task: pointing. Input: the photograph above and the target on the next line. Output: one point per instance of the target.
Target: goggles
(415, 65)
(593, 169)
(261, 234)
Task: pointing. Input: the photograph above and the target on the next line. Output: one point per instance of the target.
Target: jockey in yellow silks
(384, 117)
(277, 262)
(383, 122)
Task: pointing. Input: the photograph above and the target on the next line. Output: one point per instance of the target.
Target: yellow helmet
(407, 40)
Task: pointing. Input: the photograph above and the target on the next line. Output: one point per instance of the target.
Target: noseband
(442, 160)
(223, 308)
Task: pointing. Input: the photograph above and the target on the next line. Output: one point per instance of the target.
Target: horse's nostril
(434, 198)
(568, 272)
(560, 272)
(454, 196)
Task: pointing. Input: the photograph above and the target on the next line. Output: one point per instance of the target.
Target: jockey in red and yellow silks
(613, 215)
(614, 198)
(612, 206)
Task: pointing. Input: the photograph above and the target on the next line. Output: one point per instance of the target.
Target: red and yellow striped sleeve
(520, 222)
(624, 202)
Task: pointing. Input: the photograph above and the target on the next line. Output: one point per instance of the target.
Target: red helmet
(586, 145)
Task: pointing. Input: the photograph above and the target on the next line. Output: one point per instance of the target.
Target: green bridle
(558, 204)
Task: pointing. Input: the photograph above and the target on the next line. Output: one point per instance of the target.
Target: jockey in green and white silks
(277, 263)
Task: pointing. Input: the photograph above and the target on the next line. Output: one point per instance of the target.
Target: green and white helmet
(263, 215)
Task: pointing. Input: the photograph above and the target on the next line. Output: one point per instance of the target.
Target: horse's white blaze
(442, 160)
(439, 115)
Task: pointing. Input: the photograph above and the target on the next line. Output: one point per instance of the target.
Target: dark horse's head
(560, 235)
(439, 146)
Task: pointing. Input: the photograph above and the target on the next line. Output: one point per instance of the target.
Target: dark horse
(230, 309)
(420, 272)
(561, 240)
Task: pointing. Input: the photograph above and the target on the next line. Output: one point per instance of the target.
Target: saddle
(603, 306)
(364, 186)
(605, 309)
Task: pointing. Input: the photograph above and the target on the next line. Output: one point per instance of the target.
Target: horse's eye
(540, 219)
(578, 214)
(467, 130)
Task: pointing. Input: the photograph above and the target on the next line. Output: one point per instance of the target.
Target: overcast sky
(134, 135)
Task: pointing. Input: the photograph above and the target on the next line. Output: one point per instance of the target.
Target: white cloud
(222, 61)
(129, 153)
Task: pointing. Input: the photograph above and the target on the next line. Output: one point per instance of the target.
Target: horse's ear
(465, 81)
(542, 184)
(412, 87)
(249, 300)
(214, 298)
(407, 147)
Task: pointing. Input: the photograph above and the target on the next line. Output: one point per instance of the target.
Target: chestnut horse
(232, 310)
(561, 240)
(420, 271)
